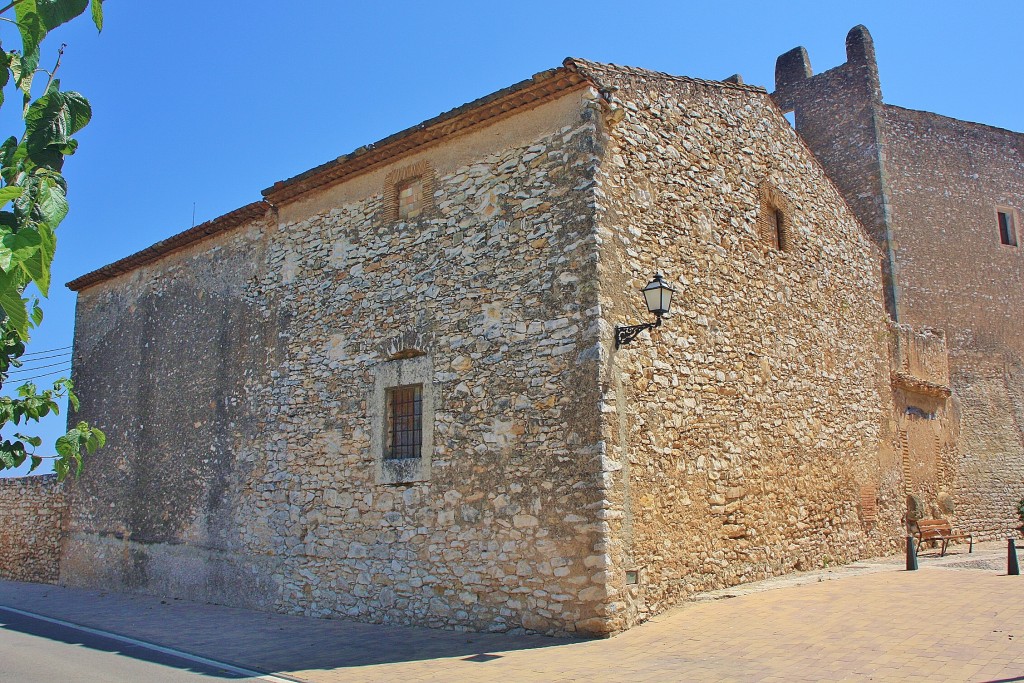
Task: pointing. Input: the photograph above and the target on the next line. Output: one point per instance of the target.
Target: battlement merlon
(793, 69)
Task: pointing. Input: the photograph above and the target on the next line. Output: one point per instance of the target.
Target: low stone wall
(32, 513)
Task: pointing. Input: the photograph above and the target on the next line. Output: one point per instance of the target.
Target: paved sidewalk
(959, 618)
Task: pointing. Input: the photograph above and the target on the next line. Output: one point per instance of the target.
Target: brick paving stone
(933, 624)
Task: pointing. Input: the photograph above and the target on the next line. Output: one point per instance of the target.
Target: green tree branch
(33, 203)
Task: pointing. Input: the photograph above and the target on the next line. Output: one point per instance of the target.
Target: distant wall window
(1007, 228)
(405, 422)
(410, 198)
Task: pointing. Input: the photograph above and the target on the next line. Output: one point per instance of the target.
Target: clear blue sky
(207, 103)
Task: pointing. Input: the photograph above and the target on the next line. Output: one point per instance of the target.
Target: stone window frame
(776, 233)
(394, 181)
(410, 370)
(1013, 236)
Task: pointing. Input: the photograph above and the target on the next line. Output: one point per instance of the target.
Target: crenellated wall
(928, 188)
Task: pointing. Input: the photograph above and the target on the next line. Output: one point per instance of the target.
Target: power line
(45, 374)
(36, 353)
(38, 367)
(56, 355)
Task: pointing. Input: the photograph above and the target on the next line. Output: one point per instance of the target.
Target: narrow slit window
(1007, 230)
(405, 422)
(779, 220)
(771, 224)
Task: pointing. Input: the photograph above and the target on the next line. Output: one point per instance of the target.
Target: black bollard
(1012, 568)
(911, 555)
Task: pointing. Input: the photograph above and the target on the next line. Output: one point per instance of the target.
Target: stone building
(390, 390)
(941, 199)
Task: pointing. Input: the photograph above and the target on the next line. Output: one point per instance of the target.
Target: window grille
(405, 422)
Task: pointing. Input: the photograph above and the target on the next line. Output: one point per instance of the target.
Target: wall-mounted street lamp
(658, 297)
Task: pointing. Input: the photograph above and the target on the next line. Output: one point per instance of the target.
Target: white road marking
(250, 673)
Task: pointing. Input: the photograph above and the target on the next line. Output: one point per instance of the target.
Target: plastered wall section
(239, 383)
(947, 180)
(168, 358)
(927, 421)
(745, 434)
(32, 511)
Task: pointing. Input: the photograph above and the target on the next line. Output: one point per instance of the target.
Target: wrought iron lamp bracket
(627, 333)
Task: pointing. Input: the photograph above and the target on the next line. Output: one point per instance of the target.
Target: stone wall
(32, 512)
(240, 381)
(835, 113)
(947, 180)
(749, 435)
(928, 188)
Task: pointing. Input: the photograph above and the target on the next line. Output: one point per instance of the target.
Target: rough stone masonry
(390, 390)
(32, 515)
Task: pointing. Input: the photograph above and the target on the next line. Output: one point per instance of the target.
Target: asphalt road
(37, 651)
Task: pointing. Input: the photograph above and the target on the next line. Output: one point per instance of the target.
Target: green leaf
(95, 440)
(61, 467)
(21, 246)
(10, 192)
(37, 313)
(57, 12)
(49, 158)
(14, 307)
(67, 445)
(8, 152)
(36, 462)
(33, 30)
(23, 70)
(46, 122)
(33, 440)
(79, 111)
(38, 266)
(97, 14)
(5, 74)
(51, 205)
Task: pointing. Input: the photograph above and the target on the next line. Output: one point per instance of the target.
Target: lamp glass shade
(658, 296)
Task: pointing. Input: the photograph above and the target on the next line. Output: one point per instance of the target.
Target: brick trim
(771, 234)
(422, 170)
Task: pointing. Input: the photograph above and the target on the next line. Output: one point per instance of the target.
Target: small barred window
(405, 422)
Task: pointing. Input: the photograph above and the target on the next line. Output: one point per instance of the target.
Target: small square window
(409, 195)
(404, 431)
(1007, 228)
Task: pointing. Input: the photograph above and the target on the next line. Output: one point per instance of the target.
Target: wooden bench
(939, 531)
